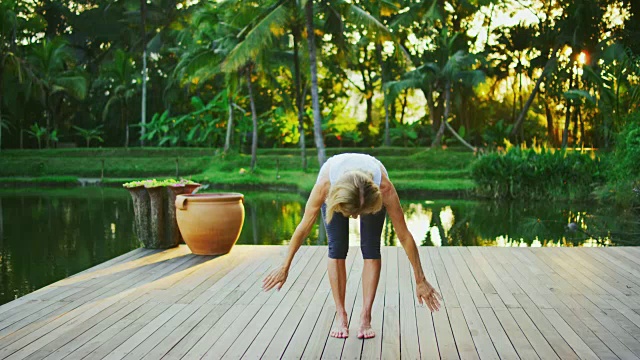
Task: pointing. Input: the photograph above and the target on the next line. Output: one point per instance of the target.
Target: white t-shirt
(339, 164)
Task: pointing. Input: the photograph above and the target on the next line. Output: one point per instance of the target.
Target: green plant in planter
(154, 210)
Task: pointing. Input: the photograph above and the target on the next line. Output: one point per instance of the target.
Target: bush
(623, 186)
(537, 174)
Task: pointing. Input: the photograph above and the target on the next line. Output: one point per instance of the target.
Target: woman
(352, 185)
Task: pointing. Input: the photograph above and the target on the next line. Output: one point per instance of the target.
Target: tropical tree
(54, 81)
(90, 134)
(119, 75)
(449, 69)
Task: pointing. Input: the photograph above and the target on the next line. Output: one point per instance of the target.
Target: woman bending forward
(352, 185)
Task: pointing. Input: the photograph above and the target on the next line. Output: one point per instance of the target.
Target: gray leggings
(338, 234)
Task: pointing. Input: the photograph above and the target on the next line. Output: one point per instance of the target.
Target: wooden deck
(506, 303)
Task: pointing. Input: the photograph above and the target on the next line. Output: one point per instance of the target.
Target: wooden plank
(72, 330)
(483, 281)
(604, 272)
(516, 336)
(444, 333)
(301, 336)
(112, 276)
(211, 310)
(75, 331)
(322, 327)
(50, 288)
(121, 331)
(464, 340)
(409, 344)
(612, 326)
(555, 339)
(25, 344)
(498, 336)
(22, 318)
(111, 335)
(372, 348)
(334, 346)
(496, 281)
(239, 346)
(577, 344)
(307, 277)
(595, 257)
(426, 330)
(479, 333)
(447, 292)
(246, 285)
(391, 321)
(470, 283)
(67, 348)
(536, 339)
(142, 334)
(352, 348)
(596, 285)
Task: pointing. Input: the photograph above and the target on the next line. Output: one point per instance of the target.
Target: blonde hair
(354, 193)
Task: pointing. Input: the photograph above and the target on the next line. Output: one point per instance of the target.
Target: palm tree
(143, 32)
(120, 73)
(287, 14)
(313, 68)
(50, 63)
(441, 76)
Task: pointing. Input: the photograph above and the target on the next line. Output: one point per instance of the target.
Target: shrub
(623, 186)
(537, 174)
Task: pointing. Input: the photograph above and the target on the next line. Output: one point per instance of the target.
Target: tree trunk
(445, 119)
(317, 119)
(227, 139)
(383, 79)
(550, 131)
(404, 107)
(143, 109)
(299, 97)
(567, 120)
(126, 125)
(437, 141)
(254, 118)
(1, 100)
(536, 88)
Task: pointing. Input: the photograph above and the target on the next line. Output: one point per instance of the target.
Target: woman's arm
(424, 291)
(314, 203)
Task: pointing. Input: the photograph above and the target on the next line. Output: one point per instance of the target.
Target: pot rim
(212, 197)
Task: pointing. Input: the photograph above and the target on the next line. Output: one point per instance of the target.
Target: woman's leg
(370, 234)
(338, 239)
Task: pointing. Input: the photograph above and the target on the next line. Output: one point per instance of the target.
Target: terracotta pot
(210, 223)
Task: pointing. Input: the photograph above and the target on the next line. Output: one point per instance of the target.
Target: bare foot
(341, 330)
(365, 331)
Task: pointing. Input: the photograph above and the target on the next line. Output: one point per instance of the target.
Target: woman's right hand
(275, 279)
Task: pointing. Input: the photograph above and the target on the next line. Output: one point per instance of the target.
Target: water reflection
(51, 234)
(459, 223)
(47, 236)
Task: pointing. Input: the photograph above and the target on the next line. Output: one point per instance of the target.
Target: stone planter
(141, 211)
(210, 223)
(155, 214)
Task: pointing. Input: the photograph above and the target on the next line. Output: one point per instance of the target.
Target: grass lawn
(411, 169)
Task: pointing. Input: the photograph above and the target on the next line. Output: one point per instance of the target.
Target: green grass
(409, 168)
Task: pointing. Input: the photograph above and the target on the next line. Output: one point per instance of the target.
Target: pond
(47, 235)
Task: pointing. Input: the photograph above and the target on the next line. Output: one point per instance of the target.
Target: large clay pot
(210, 223)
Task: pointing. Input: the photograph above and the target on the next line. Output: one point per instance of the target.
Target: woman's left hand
(428, 295)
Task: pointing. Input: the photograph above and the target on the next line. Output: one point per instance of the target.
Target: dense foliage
(538, 174)
(181, 73)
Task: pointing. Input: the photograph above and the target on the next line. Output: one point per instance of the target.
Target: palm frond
(258, 38)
